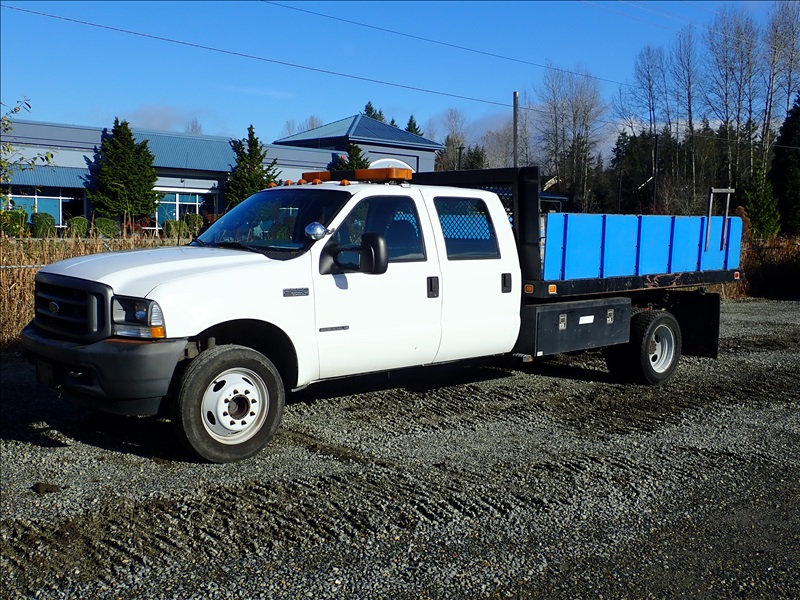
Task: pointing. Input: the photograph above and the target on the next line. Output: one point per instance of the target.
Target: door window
(467, 228)
(393, 217)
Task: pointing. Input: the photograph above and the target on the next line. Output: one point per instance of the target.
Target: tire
(218, 379)
(656, 346)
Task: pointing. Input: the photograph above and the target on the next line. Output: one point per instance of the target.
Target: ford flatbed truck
(347, 273)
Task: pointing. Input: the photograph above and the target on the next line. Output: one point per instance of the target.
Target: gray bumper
(121, 376)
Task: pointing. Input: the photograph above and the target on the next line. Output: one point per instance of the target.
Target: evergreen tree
(475, 158)
(122, 175)
(785, 171)
(249, 174)
(355, 160)
(448, 159)
(761, 205)
(412, 126)
(370, 111)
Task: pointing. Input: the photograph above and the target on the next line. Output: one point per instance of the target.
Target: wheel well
(265, 338)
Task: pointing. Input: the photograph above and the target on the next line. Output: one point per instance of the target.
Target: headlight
(136, 317)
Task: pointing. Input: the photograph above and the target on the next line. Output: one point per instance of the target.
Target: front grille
(72, 308)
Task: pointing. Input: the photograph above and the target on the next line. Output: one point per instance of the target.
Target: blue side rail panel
(588, 253)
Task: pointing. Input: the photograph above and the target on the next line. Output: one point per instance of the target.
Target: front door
(367, 322)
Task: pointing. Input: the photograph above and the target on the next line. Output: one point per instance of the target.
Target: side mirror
(316, 231)
(370, 256)
(374, 255)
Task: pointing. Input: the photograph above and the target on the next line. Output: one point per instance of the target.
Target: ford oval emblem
(53, 307)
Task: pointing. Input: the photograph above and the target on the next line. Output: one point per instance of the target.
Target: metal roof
(187, 151)
(46, 176)
(360, 128)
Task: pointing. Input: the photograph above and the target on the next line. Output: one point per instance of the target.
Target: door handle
(433, 287)
(505, 283)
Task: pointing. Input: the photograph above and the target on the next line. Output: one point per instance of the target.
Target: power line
(441, 43)
(324, 71)
(259, 58)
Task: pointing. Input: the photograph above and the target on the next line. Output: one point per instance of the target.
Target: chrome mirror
(317, 231)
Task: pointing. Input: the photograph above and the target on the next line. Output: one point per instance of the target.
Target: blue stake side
(585, 246)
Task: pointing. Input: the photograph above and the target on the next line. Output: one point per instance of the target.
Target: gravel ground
(484, 480)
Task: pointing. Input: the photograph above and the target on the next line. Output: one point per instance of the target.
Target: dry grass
(771, 269)
(21, 258)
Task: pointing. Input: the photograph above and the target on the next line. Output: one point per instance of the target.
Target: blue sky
(86, 75)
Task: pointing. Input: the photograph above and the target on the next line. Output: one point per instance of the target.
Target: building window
(62, 204)
(175, 205)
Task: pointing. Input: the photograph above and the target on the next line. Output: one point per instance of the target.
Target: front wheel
(229, 403)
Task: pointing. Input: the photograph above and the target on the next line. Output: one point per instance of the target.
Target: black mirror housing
(374, 254)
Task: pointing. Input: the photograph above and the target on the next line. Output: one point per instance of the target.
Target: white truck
(349, 273)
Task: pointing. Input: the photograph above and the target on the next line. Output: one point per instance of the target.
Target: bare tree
(731, 90)
(649, 90)
(312, 122)
(787, 21)
(194, 127)
(455, 141)
(499, 143)
(684, 73)
(568, 128)
(291, 127)
(551, 126)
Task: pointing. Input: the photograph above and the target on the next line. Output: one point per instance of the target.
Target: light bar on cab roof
(386, 174)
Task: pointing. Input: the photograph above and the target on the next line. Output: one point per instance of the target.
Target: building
(192, 169)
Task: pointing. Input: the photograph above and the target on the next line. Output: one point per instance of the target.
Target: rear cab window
(467, 227)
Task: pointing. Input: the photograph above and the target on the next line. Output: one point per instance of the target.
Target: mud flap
(698, 316)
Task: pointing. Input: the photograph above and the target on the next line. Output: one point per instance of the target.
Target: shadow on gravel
(557, 367)
(416, 379)
(35, 415)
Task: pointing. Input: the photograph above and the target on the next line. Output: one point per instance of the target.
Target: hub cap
(234, 406)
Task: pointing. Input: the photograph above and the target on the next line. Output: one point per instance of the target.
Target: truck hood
(137, 272)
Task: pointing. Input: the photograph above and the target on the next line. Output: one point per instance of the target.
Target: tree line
(714, 109)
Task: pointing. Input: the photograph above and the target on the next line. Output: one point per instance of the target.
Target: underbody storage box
(569, 326)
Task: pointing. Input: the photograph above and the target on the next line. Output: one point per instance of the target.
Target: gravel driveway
(491, 479)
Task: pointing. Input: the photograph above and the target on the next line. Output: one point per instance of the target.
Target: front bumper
(115, 375)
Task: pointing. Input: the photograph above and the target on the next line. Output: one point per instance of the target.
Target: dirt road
(489, 479)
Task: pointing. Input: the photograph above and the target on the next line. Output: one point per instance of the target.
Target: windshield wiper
(238, 246)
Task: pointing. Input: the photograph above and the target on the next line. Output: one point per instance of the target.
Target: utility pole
(516, 123)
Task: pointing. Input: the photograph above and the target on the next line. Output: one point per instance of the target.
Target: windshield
(275, 220)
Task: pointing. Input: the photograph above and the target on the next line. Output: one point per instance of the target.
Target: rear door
(480, 276)
(367, 322)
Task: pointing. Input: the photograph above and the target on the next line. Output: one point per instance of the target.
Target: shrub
(174, 229)
(193, 222)
(14, 223)
(78, 226)
(43, 225)
(105, 227)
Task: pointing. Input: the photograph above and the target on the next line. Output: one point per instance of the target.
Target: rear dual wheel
(229, 403)
(651, 356)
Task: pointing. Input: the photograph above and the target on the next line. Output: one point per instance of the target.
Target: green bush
(78, 226)
(106, 227)
(14, 222)
(174, 229)
(43, 225)
(193, 222)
